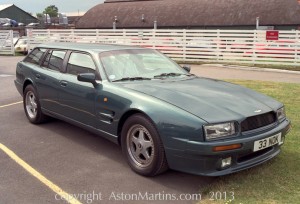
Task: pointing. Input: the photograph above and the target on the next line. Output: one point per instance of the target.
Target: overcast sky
(64, 6)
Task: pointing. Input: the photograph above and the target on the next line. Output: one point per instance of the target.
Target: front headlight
(281, 114)
(219, 130)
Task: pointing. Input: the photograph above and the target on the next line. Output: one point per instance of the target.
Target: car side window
(80, 63)
(54, 59)
(35, 56)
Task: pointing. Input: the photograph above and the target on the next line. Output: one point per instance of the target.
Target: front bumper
(200, 159)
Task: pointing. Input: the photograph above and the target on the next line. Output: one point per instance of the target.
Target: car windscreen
(132, 63)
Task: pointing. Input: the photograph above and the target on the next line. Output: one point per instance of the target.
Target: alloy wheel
(31, 104)
(140, 145)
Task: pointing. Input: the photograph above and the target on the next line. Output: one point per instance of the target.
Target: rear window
(54, 59)
(35, 56)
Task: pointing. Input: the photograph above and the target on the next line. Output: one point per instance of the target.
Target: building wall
(17, 14)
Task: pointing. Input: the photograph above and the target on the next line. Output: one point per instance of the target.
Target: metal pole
(257, 23)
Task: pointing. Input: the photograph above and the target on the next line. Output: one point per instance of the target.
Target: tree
(52, 10)
(39, 15)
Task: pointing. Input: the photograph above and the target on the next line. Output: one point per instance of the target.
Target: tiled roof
(191, 13)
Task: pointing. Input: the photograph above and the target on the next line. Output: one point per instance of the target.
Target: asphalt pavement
(81, 163)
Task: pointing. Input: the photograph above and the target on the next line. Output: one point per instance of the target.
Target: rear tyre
(142, 146)
(32, 106)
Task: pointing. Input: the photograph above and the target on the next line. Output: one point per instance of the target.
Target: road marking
(69, 198)
(11, 104)
(5, 75)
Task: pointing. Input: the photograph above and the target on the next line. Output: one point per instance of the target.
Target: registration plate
(267, 142)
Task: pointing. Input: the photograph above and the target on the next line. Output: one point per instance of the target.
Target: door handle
(63, 83)
(38, 76)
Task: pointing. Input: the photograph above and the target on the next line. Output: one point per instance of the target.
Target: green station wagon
(161, 115)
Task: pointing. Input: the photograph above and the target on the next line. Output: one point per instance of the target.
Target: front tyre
(32, 106)
(142, 146)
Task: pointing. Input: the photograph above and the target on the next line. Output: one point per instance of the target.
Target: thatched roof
(191, 13)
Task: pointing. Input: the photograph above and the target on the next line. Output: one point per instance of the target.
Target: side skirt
(99, 132)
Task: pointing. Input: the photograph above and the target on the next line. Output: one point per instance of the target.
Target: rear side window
(54, 59)
(80, 63)
(35, 56)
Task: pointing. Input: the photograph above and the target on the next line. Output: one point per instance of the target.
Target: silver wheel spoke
(140, 145)
(135, 140)
(141, 134)
(147, 144)
(32, 101)
(34, 105)
(145, 154)
(137, 152)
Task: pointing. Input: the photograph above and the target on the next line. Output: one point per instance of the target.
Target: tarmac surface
(81, 163)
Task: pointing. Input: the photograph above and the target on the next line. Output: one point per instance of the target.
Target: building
(15, 13)
(193, 14)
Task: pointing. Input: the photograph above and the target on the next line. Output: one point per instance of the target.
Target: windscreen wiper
(132, 79)
(172, 74)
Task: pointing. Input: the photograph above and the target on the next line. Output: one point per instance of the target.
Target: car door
(77, 99)
(48, 80)
(45, 77)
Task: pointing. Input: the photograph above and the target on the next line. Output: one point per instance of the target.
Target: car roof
(88, 47)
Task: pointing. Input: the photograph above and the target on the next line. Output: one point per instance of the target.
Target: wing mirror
(87, 77)
(187, 68)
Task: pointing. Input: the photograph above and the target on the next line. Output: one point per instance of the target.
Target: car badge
(258, 111)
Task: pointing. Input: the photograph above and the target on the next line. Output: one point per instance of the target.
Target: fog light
(226, 162)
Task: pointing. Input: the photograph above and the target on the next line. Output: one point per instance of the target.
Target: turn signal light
(227, 147)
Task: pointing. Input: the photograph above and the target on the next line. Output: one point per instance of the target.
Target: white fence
(221, 46)
(6, 42)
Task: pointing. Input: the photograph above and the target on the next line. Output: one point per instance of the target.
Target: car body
(21, 46)
(7, 25)
(11, 23)
(32, 25)
(161, 115)
(21, 24)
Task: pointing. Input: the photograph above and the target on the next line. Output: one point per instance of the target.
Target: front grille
(258, 121)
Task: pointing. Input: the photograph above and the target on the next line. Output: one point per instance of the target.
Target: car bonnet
(212, 100)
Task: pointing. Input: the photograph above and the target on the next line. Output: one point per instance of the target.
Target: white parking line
(11, 104)
(6, 75)
(69, 198)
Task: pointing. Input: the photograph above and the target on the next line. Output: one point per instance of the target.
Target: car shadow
(177, 181)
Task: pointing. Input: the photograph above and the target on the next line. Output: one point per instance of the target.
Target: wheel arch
(26, 83)
(125, 116)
